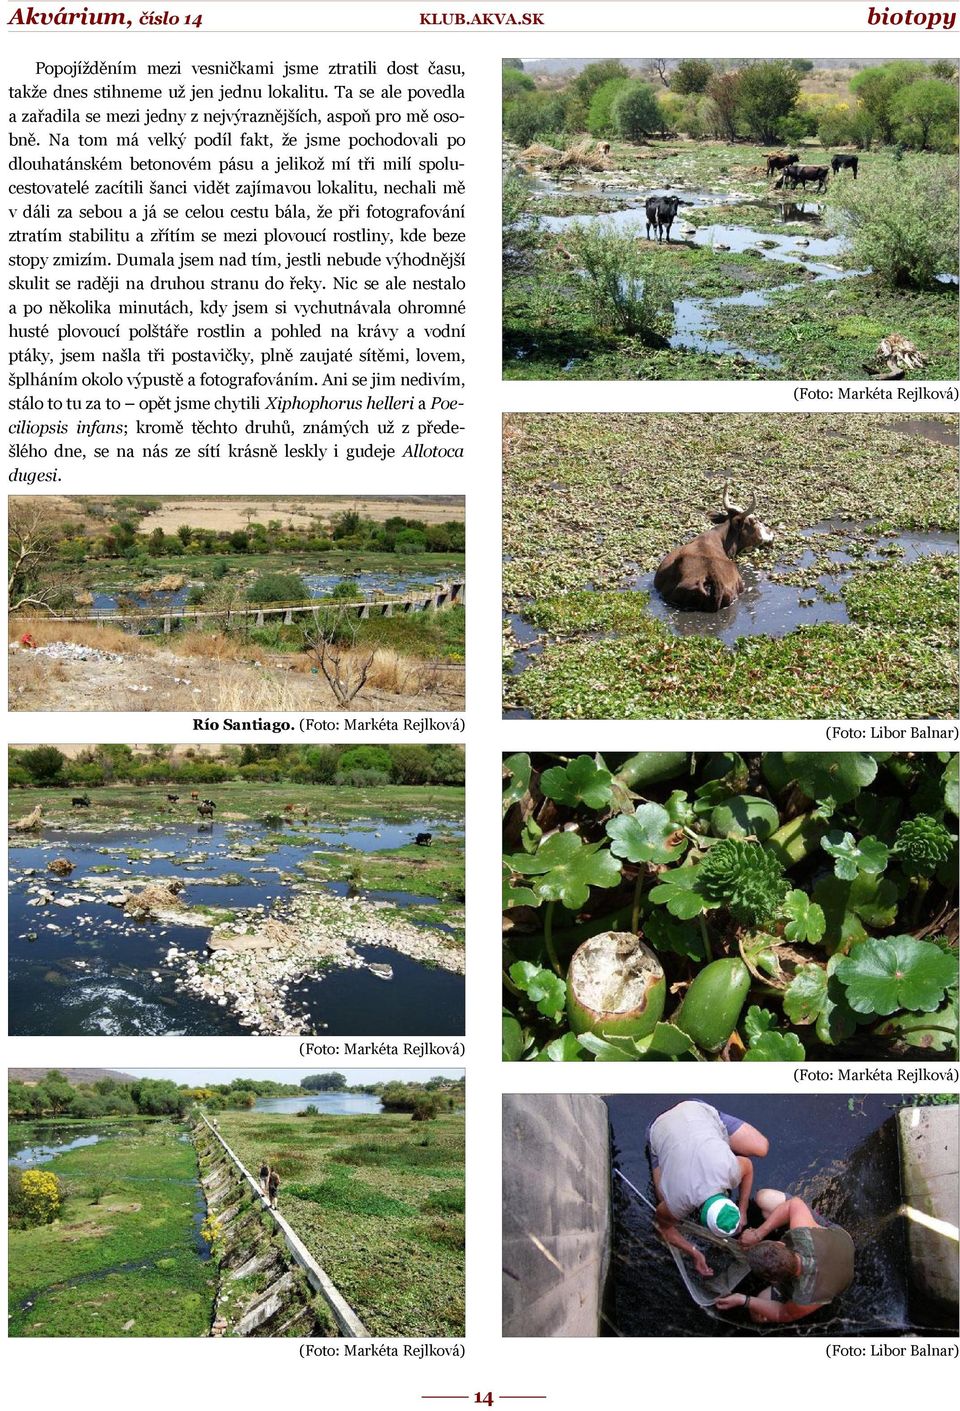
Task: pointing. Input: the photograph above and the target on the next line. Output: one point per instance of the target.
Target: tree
(875, 89)
(158, 1097)
(768, 92)
(636, 112)
(57, 1093)
(513, 64)
(691, 76)
(920, 109)
(44, 765)
(944, 69)
(31, 536)
(324, 1083)
(514, 83)
(600, 119)
(723, 90)
(802, 66)
(589, 79)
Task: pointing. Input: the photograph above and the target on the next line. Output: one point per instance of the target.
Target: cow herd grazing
(793, 173)
(661, 211)
(702, 576)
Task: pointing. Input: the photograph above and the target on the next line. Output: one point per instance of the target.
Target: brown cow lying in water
(702, 576)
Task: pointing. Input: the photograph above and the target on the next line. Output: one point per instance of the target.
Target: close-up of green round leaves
(648, 835)
(565, 868)
(795, 906)
(900, 972)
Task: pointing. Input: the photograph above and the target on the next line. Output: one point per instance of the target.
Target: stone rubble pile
(68, 651)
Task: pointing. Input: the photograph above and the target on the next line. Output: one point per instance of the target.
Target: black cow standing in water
(423, 840)
(792, 177)
(839, 163)
(661, 213)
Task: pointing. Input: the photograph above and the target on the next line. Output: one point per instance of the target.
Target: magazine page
(641, 323)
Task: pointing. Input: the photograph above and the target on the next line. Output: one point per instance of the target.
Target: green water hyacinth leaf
(516, 896)
(836, 1020)
(935, 1032)
(806, 995)
(899, 972)
(849, 906)
(677, 892)
(774, 1047)
(850, 857)
(609, 1050)
(744, 816)
(680, 809)
(758, 1022)
(512, 1041)
(566, 1049)
(817, 997)
(545, 989)
(666, 1042)
(807, 921)
(645, 836)
(580, 781)
(518, 771)
(839, 777)
(666, 933)
(951, 785)
(566, 868)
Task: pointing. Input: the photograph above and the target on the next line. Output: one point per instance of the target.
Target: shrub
(903, 220)
(346, 591)
(624, 289)
(767, 94)
(691, 76)
(520, 225)
(277, 588)
(44, 764)
(599, 118)
(924, 115)
(636, 112)
(35, 1197)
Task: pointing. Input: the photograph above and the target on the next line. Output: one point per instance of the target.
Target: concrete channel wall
(556, 1214)
(930, 1187)
(346, 1319)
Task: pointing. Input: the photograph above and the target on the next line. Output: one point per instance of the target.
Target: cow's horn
(752, 505)
(727, 503)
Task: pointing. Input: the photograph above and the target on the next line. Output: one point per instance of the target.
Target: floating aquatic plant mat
(586, 522)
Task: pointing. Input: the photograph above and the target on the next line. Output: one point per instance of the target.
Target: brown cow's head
(752, 533)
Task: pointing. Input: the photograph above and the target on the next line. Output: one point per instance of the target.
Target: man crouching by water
(700, 1157)
(811, 1265)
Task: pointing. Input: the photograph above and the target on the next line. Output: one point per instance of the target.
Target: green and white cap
(720, 1215)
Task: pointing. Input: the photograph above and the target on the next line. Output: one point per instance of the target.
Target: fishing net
(723, 1256)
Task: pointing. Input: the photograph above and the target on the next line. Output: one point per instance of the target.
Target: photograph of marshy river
(260, 889)
(140, 602)
(136, 1206)
(849, 613)
(729, 218)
